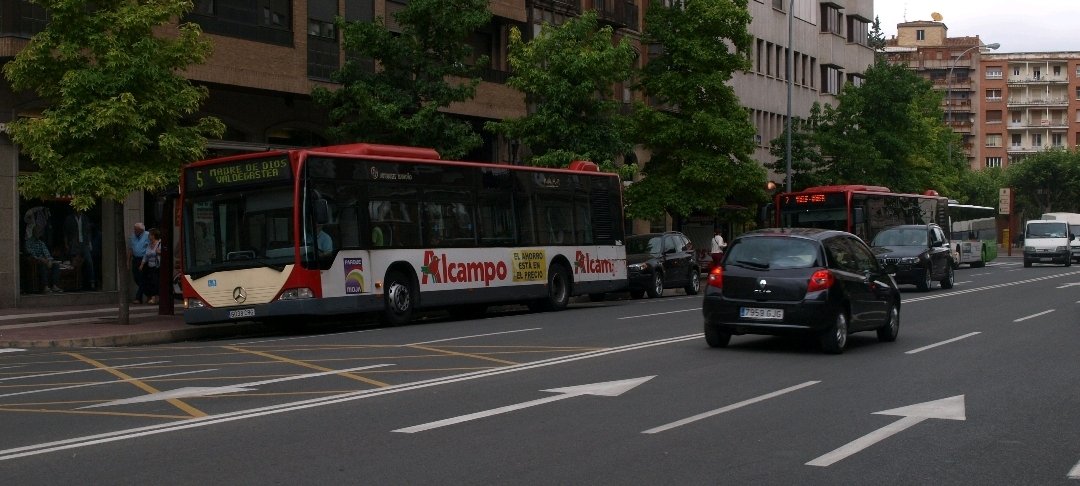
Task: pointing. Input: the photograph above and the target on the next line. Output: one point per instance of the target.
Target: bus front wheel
(399, 299)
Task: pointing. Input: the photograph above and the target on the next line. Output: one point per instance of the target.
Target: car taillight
(820, 280)
(716, 277)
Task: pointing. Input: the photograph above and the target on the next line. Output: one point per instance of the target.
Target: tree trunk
(122, 262)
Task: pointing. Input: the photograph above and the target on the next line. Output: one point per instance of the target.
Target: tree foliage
(416, 73)
(118, 111)
(980, 187)
(889, 131)
(699, 135)
(567, 74)
(1046, 181)
(807, 163)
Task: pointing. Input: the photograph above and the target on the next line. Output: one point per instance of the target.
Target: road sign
(1004, 200)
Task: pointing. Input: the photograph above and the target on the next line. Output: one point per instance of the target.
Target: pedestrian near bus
(150, 266)
(136, 250)
(718, 246)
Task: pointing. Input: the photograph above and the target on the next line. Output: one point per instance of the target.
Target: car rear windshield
(773, 253)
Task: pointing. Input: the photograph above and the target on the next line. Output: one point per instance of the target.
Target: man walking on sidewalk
(136, 249)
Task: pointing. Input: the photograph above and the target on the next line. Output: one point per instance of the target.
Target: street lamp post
(788, 61)
(948, 86)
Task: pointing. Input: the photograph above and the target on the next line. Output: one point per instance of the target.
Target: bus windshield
(238, 229)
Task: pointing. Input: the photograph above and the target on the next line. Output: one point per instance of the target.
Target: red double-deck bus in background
(379, 228)
(858, 209)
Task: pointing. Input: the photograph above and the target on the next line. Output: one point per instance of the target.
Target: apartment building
(1032, 100)
(270, 54)
(951, 64)
(829, 43)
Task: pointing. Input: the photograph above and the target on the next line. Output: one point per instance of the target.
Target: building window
(920, 34)
(993, 73)
(1016, 71)
(267, 21)
(832, 78)
(204, 7)
(1014, 117)
(1015, 140)
(1057, 139)
(321, 28)
(831, 19)
(993, 162)
(858, 31)
(993, 140)
(1036, 140)
(1057, 70)
(993, 95)
(778, 4)
(993, 116)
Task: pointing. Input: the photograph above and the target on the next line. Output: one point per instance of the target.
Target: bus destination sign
(241, 172)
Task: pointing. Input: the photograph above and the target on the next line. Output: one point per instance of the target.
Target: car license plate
(761, 313)
(235, 314)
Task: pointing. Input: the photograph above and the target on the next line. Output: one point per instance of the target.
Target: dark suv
(658, 261)
(920, 252)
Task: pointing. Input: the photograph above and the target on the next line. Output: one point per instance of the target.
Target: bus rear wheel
(558, 290)
(399, 299)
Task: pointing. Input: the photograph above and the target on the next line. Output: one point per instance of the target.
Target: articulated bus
(368, 228)
(858, 209)
(973, 230)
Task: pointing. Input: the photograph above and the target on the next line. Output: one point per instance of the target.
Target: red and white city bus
(379, 228)
(859, 209)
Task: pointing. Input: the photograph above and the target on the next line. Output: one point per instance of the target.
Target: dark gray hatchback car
(800, 281)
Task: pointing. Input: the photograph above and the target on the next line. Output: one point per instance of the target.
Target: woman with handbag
(151, 266)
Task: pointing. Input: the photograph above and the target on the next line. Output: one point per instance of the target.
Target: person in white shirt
(718, 246)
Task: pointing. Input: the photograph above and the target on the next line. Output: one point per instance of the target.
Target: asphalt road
(980, 388)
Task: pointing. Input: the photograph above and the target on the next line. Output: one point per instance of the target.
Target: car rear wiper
(751, 264)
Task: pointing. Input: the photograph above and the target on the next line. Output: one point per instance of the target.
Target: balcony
(618, 13)
(1042, 79)
(1044, 124)
(960, 126)
(1021, 102)
(957, 105)
(1026, 149)
(564, 6)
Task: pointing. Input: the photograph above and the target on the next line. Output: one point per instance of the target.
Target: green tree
(1046, 182)
(699, 135)
(118, 114)
(980, 187)
(567, 74)
(876, 38)
(394, 85)
(890, 131)
(807, 163)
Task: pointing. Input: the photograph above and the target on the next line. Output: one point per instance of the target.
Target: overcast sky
(1018, 25)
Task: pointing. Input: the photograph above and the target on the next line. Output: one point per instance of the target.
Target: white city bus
(379, 228)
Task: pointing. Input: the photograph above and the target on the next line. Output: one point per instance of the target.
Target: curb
(143, 338)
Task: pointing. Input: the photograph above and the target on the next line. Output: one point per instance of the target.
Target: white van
(1074, 227)
(1047, 241)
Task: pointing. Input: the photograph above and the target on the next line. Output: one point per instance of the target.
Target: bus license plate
(760, 313)
(236, 314)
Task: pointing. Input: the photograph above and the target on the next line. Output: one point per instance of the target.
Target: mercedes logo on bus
(239, 295)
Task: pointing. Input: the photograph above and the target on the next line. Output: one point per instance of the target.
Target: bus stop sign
(1004, 200)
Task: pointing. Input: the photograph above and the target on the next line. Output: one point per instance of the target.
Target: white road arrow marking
(605, 389)
(951, 408)
(1069, 285)
(11, 350)
(206, 391)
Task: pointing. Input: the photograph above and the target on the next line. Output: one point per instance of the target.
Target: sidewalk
(96, 326)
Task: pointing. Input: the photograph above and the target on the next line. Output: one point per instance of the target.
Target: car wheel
(887, 333)
(657, 288)
(1068, 261)
(694, 285)
(637, 294)
(1027, 263)
(950, 278)
(398, 298)
(835, 337)
(716, 338)
(926, 281)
